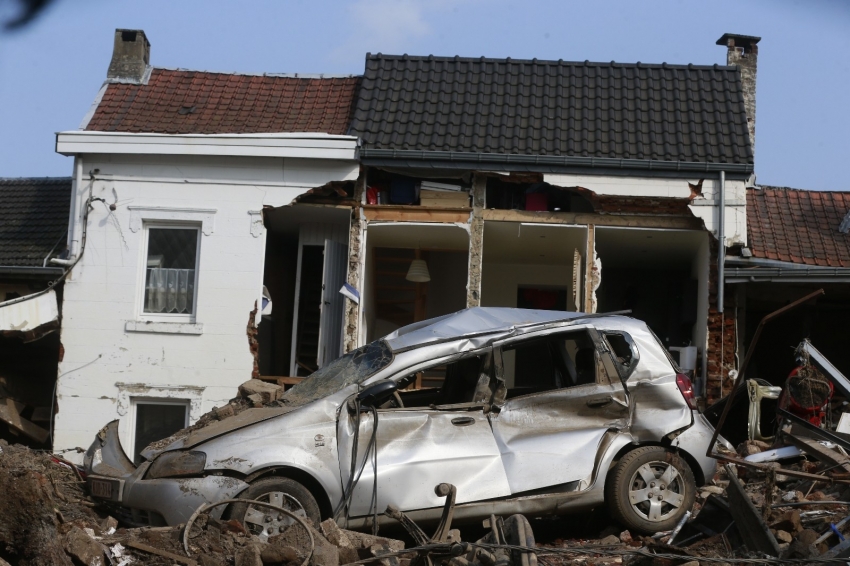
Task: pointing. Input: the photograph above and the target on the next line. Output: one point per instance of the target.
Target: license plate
(105, 489)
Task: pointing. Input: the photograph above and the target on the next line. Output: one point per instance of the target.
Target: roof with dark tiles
(33, 219)
(200, 102)
(506, 106)
(798, 226)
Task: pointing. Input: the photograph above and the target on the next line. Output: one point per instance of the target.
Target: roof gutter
(30, 270)
(787, 275)
(488, 159)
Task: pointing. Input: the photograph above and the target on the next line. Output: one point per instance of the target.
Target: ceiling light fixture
(418, 271)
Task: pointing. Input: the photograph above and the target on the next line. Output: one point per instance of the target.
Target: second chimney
(743, 51)
(130, 55)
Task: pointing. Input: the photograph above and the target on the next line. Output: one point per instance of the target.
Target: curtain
(170, 290)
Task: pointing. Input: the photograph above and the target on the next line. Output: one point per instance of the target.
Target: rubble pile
(46, 518)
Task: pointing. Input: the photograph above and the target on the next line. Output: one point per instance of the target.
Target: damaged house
(552, 185)
(173, 170)
(799, 242)
(225, 226)
(33, 229)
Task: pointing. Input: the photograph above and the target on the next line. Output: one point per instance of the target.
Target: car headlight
(177, 464)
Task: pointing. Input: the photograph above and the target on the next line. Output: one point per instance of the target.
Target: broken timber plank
(748, 519)
(579, 218)
(412, 213)
(165, 554)
(10, 413)
(820, 452)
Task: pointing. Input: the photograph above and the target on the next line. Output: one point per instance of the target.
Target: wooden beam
(409, 213)
(819, 452)
(10, 413)
(584, 218)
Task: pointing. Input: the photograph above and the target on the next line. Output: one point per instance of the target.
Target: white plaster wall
(105, 365)
(704, 208)
(500, 281)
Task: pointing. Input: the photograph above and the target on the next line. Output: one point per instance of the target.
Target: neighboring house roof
(200, 102)
(33, 219)
(671, 113)
(798, 226)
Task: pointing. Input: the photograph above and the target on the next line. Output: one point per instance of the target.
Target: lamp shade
(418, 272)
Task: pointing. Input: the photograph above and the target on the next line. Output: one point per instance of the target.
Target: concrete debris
(83, 548)
(267, 392)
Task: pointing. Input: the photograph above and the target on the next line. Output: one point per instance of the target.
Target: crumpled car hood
(189, 438)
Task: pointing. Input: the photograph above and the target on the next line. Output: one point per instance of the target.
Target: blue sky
(51, 70)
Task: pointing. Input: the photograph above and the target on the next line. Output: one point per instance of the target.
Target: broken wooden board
(753, 530)
(819, 452)
(10, 413)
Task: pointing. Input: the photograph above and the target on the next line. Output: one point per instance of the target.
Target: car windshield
(354, 367)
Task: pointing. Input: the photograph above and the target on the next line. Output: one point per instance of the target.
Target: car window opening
(467, 380)
(553, 362)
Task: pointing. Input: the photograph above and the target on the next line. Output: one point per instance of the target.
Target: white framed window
(154, 419)
(171, 257)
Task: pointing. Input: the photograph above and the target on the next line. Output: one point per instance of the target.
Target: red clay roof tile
(220, 103)
(798, 226)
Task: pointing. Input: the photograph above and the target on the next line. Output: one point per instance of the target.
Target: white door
(332, 307)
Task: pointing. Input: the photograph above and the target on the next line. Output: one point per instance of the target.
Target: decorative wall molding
(204, 216)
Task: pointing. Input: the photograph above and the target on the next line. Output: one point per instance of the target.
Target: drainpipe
(721, 240)
(73, 219)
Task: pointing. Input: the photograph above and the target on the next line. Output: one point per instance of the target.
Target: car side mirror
(375, 394)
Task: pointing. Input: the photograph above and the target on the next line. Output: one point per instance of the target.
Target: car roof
(473, 321)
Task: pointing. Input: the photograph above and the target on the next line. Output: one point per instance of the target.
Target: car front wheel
(281, 492)
(650, 489)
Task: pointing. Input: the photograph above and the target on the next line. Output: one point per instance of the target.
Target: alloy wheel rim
(264, 522)
(656, 491)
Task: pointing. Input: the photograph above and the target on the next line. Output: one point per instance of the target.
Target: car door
(447, 440)
(555, 403)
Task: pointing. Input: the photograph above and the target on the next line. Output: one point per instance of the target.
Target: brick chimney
(130, 55)
(742, 50)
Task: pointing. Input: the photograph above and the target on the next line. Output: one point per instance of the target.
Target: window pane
(155, 422)
(170, 277)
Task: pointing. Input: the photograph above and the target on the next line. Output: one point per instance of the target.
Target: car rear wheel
(650, 489)
(281, 492)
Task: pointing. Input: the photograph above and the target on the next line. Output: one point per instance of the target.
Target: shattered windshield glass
(354, 367)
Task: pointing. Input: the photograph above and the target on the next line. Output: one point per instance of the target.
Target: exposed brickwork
(199, 102)
(253, 344)
(476, 243)
(654, 206)
(743, 51)
(722, 338)
(355, 239)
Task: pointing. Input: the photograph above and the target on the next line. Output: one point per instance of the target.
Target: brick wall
(722, 338)
(638, 205)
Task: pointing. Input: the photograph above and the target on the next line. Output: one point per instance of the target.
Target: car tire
(283, 492)
(650, 489)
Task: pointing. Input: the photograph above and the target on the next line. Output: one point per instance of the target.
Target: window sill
(189, 328)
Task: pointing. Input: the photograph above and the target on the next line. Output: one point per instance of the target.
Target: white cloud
(386, 26)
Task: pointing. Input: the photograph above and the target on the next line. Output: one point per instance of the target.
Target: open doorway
(661, 276)
(413, 272)
(306, 265)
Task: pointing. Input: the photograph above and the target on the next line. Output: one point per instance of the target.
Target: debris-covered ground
(786, 500)
(47, 518)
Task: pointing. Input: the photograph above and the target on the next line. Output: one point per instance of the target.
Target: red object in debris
(537, 201)
(806, 397)
(371, 195)
(687, 389)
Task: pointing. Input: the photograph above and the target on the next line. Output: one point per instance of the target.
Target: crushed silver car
(532, 412)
